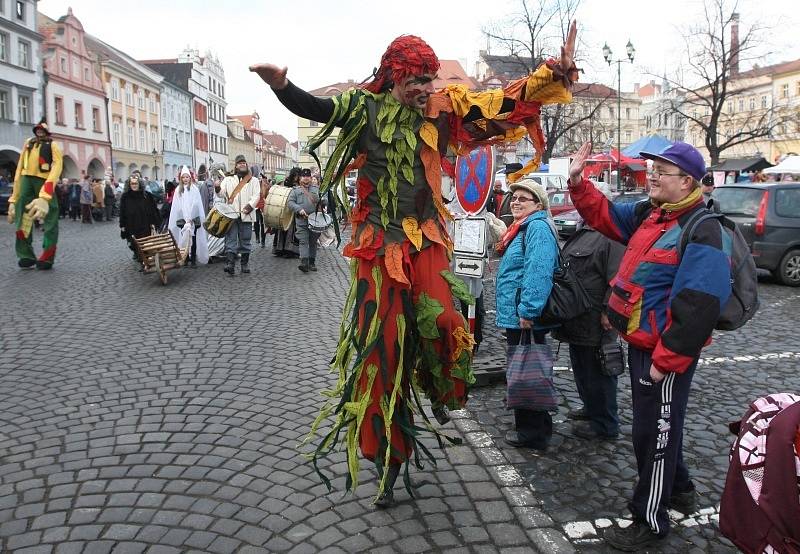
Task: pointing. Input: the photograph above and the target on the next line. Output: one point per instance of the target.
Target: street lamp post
(155, 161)
(608, 56)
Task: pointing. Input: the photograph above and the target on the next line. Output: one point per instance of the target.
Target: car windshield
(738, 200)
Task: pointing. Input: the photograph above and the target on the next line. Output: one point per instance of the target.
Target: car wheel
(789, 270)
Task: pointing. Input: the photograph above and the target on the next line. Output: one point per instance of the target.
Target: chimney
(734, 44)
(636, 87)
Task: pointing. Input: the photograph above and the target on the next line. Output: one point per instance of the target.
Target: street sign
(467, 266)
(469, 236)
(474, 179)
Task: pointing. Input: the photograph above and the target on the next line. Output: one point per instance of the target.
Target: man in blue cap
(665, 304)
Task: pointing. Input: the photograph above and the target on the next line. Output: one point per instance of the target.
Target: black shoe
(26, 263)
(684, 502)
(43, 265)
(312, 264)
(512, 438)
(385, 500)
(303, 265)
(584, 430)
(230, 264)
(636, 536)
(579, 414)
(441, 414)
(245, 263)
(193, 264)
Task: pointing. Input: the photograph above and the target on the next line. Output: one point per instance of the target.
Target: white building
(177, 129)
(21, 99)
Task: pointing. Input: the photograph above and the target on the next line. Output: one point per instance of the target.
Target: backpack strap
(696, 218)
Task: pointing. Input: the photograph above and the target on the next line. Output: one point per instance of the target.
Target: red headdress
(406, 55)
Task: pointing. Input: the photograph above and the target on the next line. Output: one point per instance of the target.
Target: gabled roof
(784, 67)
(649, 89)
(277, 140)
(334, 89)
(452, 73)
(107, 53)
(176, 73)
(247, 120)
(593, 90)
(509, 67)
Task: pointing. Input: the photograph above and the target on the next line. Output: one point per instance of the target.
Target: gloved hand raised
(12, 212)
(38, 208)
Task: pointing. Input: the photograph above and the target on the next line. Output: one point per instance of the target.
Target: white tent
(791, 164)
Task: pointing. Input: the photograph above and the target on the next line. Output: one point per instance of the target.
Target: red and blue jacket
(661, 300)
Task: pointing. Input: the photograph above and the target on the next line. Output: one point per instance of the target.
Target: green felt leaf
(458, 287)
(428, 310)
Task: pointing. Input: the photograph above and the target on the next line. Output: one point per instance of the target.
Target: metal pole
(619, 121)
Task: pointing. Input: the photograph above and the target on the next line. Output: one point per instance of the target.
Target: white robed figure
(186, 218)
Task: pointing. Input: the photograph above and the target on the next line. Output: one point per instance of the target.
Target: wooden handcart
(159, 253)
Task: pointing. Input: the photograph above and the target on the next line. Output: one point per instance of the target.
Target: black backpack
(743, 302)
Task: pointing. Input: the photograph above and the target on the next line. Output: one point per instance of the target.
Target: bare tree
(526, 38)
(709, 79)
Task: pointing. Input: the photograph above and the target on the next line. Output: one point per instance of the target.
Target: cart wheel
(162, 273)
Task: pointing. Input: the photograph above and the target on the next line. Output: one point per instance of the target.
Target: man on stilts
(400, 331)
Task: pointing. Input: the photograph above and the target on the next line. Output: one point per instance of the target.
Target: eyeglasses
(656, 175)
(521, 199)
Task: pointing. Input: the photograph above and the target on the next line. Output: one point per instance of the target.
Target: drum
(319, 222)
(276, 210)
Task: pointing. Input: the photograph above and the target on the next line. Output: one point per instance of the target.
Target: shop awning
(741, 164)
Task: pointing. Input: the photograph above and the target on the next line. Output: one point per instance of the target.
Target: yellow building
(134, 111)
(786, 92)
(307, 128)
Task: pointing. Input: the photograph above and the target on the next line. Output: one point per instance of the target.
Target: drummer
(304, 200)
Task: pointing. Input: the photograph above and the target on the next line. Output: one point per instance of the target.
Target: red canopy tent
(600, 162)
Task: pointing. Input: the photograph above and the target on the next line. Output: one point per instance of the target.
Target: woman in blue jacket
(524, 280)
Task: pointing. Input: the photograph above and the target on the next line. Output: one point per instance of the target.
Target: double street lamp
(608, 55)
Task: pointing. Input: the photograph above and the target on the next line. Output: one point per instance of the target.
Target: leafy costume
(38, 169)
(400, 332)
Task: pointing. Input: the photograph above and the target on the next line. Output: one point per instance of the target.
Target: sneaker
(579, 414)
(636, 536)
(684, 502)
(584, 430)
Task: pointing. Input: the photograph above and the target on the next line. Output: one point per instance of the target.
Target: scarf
(45, 152)
(508, 236)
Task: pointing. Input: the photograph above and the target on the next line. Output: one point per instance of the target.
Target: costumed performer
(38, 170)
(186, 217)
(399, 323)
(138, 212)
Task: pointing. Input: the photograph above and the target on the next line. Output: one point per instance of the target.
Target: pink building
(75, 101)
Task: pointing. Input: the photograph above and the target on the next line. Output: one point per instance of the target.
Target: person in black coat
(137, 212)
(595, 260)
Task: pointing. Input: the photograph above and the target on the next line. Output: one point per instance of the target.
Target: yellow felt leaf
(413, 232)
(393, 258)
(429, 135)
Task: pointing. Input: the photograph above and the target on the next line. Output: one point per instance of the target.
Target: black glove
(196, 221)
(123, 234)
(180, 223)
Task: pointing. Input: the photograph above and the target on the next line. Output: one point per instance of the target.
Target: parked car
(768, 214)
(560, 202)
(567, 222)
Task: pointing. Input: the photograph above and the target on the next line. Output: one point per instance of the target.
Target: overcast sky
(323, 42)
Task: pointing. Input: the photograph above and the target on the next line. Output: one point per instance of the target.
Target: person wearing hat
(524, 279)
(243, 192)
(138, 212)
(665, 304)
(304, 200)
(34, 198)
(187, 210)
(400, 316)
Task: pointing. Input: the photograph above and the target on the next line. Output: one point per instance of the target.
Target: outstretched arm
(296, 100)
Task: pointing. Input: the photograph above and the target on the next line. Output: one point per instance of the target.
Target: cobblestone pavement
(136, 417)
(585, 485)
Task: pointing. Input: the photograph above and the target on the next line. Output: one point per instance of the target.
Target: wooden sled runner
(159, 253)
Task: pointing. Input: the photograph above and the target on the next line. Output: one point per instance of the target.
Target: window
(76, 68)
(752, 103)
(153, 137)
(59, 109)
(741, 104)
(628, 136)
(115, 90)
(730, 106)
(63, 65)
(96, 119)
(611, 112)
(78, 115)
(128, 94)
(4, 105)
(87, 76)
(24, 54)
(153, 105)
(24, 108)
(142, 139)
(312, 123)
(20, 10)
(785, 90)
(627, 113)
(116, 133)
(787, 202)
(131, 140)
(3, 47)
(140, 99)
(764, 101)
(331, 145)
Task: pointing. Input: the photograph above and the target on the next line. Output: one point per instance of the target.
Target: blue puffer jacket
(522, 287)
